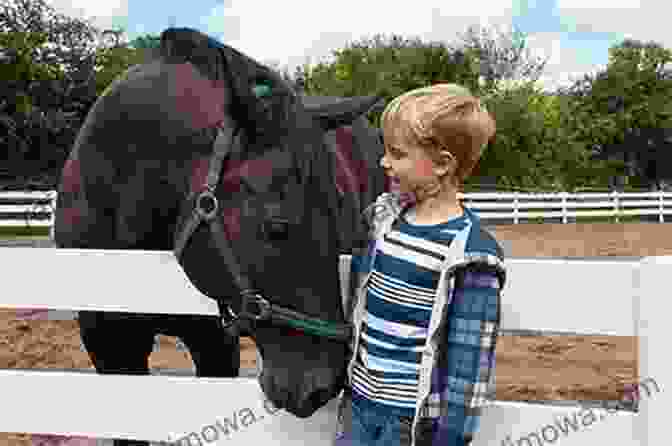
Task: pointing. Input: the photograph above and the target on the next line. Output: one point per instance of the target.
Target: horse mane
(265, 118)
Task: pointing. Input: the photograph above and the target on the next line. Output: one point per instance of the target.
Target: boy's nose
(383, 162)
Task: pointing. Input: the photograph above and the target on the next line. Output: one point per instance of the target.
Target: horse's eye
(276, 229)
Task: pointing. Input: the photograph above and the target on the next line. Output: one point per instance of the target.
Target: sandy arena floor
(529, 368)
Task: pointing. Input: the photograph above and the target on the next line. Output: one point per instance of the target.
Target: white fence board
(21, 208)
(105, 280)
(569, 296)
(159, 408)
(625, 298)
(518, 424)
(163, 408)
(26, 223)
(22, 195)
(654, 358)
(553, 297)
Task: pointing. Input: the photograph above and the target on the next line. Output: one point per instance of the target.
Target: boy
(426, 305)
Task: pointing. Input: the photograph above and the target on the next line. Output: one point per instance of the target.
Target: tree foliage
(388, 66)
(615, 122)
(625, 110)
(535, 147)
(543, 141)
(501, 55)
(52, 68)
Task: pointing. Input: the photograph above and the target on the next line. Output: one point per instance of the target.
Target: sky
(574, 34)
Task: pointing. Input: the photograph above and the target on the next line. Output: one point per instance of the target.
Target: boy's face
(409, 166)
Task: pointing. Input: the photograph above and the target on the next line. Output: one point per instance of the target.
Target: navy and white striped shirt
(400, 296)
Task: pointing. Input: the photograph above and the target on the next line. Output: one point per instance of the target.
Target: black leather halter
(253, 306)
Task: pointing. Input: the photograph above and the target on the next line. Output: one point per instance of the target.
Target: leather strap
(207, 209)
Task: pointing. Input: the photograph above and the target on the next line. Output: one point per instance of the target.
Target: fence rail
(21, 209)
(161, 408)
(35, 209)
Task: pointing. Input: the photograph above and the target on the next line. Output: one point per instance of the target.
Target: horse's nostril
(318, 398)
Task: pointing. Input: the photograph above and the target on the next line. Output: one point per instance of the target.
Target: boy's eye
(395, 152)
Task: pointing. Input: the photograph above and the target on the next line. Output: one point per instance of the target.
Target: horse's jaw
(301, 386)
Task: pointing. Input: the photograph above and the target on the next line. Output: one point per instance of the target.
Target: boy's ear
(447, 164)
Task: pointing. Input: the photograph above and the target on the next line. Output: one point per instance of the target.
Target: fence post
(515, 207)
(654, 385)
(52, 218)
(616, 205)
(564, 206)
(661, 216)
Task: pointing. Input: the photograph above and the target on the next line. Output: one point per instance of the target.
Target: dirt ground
(529, 368)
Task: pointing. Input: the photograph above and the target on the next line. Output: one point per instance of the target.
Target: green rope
(315, 327)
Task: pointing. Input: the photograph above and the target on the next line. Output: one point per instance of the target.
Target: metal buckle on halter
(262, 304)
(230, 322)
(207, 204)
(229, 317)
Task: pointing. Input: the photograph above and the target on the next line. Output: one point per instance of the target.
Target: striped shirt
(400, 296)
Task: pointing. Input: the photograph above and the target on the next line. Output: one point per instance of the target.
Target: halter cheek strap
(252, 306)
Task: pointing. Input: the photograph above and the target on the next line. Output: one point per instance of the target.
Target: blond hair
(444, 120)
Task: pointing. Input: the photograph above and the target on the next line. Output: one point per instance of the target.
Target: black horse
(206, 152)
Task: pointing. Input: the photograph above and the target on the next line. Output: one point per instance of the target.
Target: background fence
(618, 298)
(34, 209)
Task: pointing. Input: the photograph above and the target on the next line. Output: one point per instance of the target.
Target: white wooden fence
(564, 205)
(619, 298)
(493, 206)
(28, 209)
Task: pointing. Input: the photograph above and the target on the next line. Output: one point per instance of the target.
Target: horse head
(202, 150)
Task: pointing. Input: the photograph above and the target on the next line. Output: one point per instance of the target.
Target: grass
(622, 219)
(23, 232)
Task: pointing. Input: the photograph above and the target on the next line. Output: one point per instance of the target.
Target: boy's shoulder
(388, 205)
(482, 249)
(482, 241)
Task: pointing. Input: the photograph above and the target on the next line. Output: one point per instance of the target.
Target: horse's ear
(334, 113)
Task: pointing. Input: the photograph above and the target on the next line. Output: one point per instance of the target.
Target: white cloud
(309, 31)
(638, 19)
(221, 23)
(562, 66)
(274, 34)
(588, 4)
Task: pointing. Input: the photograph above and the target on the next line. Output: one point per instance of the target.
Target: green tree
(149, 41)
(625, 110)
(501, 55)
(111, 62)
(45, 87)
(536, 146)
(389, 66)
(144, 46)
